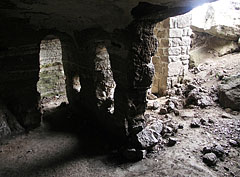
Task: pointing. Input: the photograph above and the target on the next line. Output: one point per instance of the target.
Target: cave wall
(18, 79)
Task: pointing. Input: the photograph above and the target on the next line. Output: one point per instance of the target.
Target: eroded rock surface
(219, 19)
(229, 93)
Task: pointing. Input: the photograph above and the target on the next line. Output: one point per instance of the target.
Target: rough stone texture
(149, 136)
(205, 46)
(134, 154)
(8, 122)
(210, 159)
(229, 92)
(103, 77)
(171, 59)
(198, 98)
(51, 82)
(219, 19)
(18, 79)
(70, 16)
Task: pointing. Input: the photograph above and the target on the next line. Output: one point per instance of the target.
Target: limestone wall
(51, 77)
(172, 57)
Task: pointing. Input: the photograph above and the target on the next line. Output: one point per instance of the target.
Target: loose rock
(210, 159)
(156, 105)
(172, 141)
(163, 111)
(195, 124)
(134, 154)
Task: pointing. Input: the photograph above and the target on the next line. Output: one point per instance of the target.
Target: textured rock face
(229, 93)
(51, 82)
(172, 56)
(219, 19)
(8, 122)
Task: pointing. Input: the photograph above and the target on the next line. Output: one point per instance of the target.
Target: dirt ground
(43, 152)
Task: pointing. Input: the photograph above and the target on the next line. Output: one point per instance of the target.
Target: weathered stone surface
(219, 19)
(222, 46)
(174, 68)
(175, 33)
(156, 105)
(4, 128)
(149, 136)
(134, 154)
(146, 139)
(210, 159)
(195, 97)
(8, 123)
(229, 93)
(172, 141)
(195, 123)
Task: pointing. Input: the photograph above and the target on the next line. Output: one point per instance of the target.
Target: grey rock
(156, 105)
(134, 154)
(207, 149)
(4, 128)
(218, 151)
(229, 92)
(171, 106)
(210, 159)
(227, 116)
(217, 20)
(203, 121)
(146, 139)
(149, 136)
(150, 96)
(163, 111)
(195, 97)
(171, 141)
(180, 126)
(157, 127)
(8, 122)
(195, 123)
(233, 143)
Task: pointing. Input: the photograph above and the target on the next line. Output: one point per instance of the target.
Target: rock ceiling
(68, 15)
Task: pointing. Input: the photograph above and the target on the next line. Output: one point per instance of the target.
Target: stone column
(140, 72)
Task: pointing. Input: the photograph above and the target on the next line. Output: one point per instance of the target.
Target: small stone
(227, 116)
(235, 113)
(163, 111)
(203, 121)
(207, 149)
(151, 97)
(176, 112)
(156, 105)
(180, 126)
(134, 154)
(145, 139)
(210, 121)
(195, 124)
(171, 106)
(171, 141)
(218, 151)
(228, 110)
(210, 159)
(233, 143)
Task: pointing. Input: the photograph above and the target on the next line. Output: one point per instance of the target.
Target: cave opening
(51, 84)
